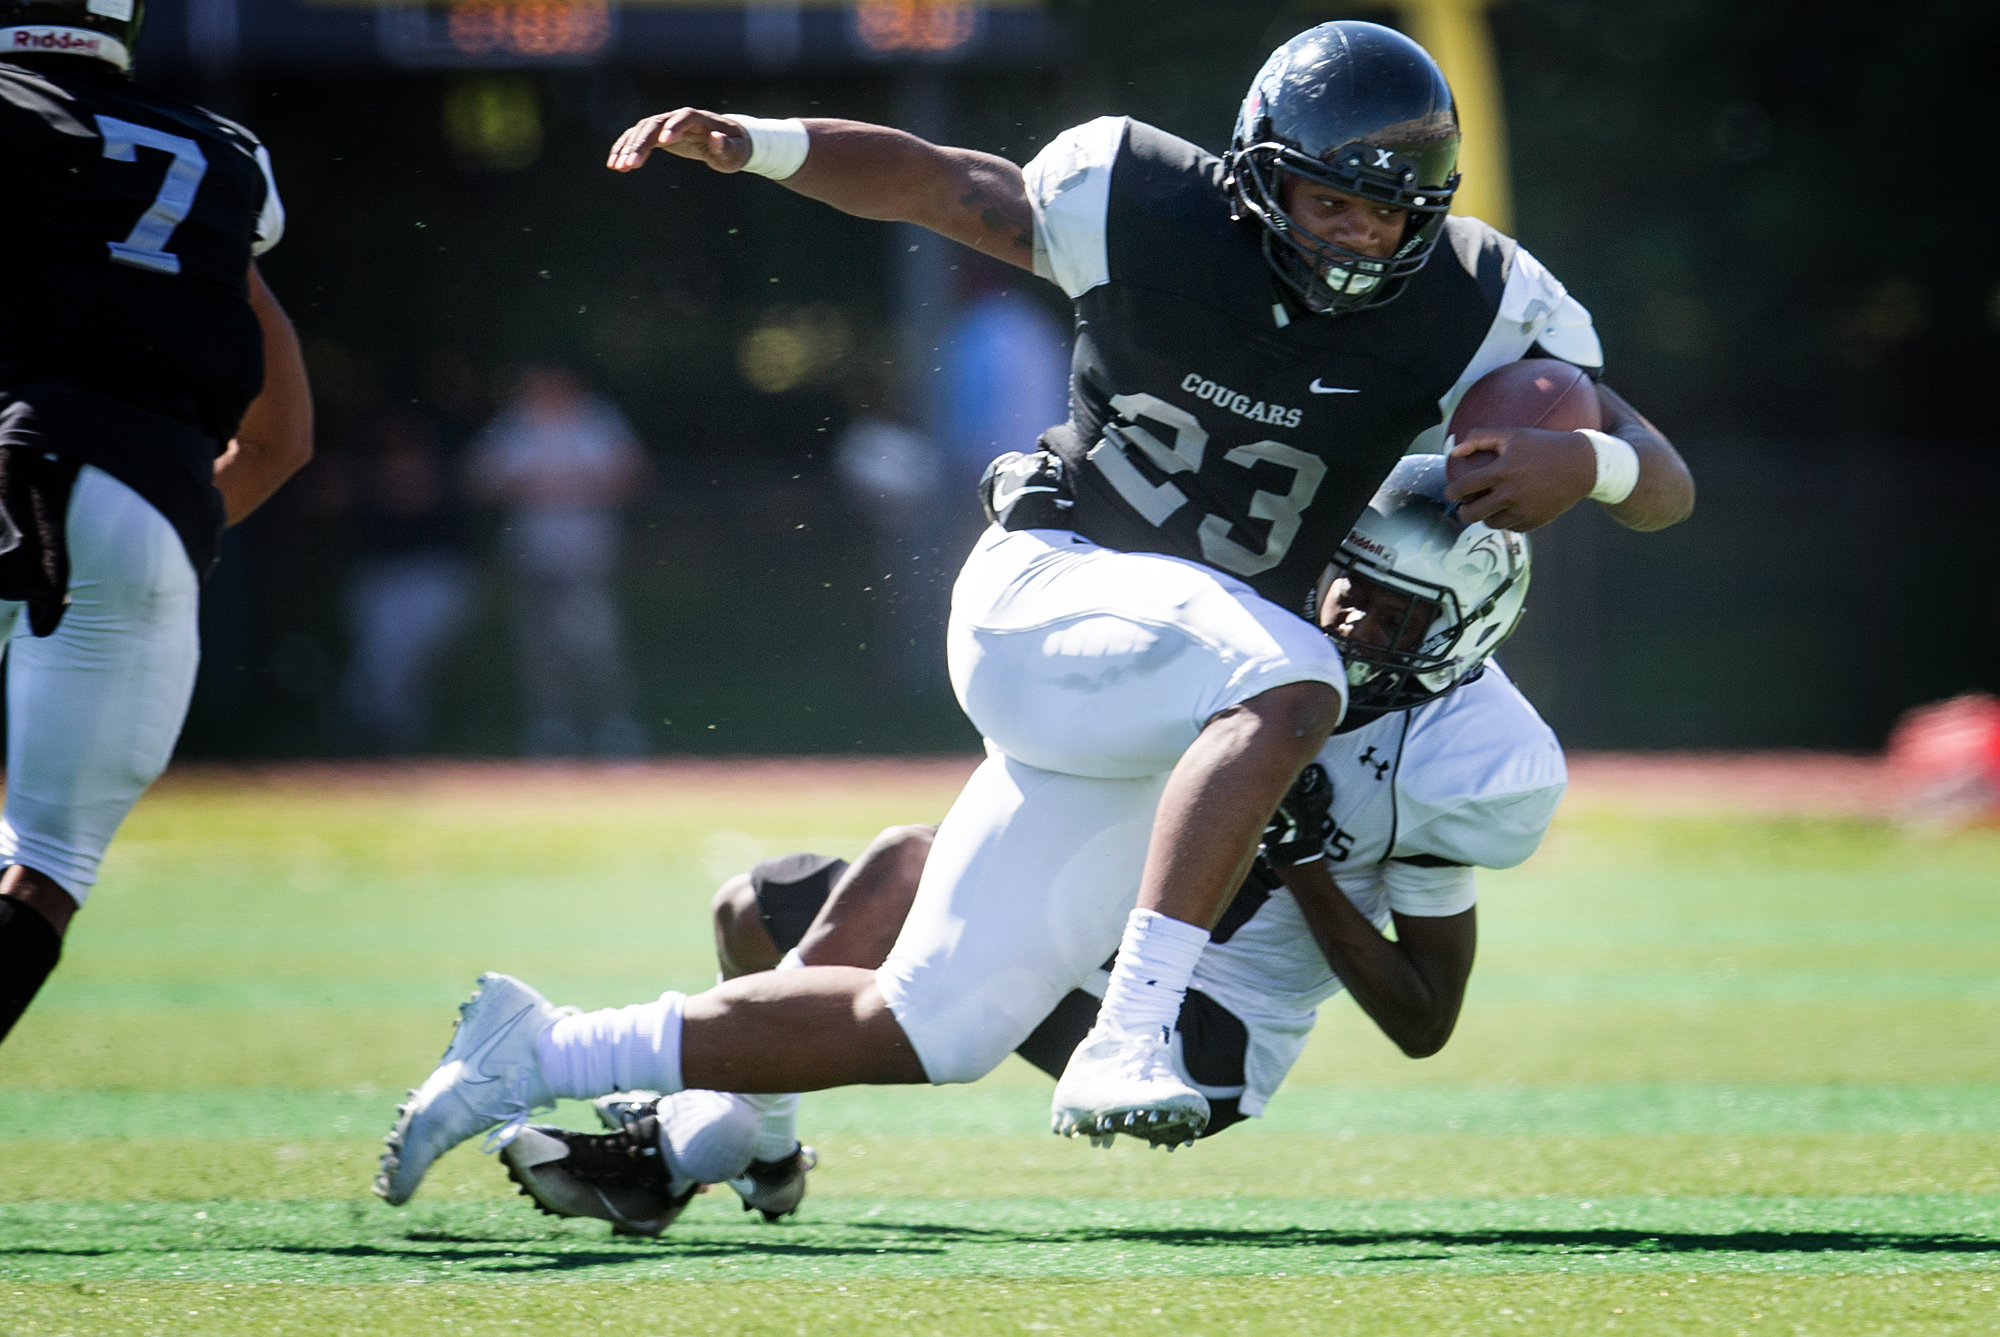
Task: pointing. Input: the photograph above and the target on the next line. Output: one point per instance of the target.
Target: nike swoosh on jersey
(475, 1062)
(1319, 389)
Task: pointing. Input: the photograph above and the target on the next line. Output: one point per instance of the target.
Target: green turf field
(1717, 1074)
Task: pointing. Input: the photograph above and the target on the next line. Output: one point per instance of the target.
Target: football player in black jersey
(1258, 338)
(151, 392)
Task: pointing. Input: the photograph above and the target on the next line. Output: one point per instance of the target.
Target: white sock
(778, 1129)
(707, 1136)
(1149, 980)
(635, 1048)
(777, 1125)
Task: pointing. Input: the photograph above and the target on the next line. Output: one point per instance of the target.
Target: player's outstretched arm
(1534, 476)
(870, 171)
(1411, 986)
(275, 439)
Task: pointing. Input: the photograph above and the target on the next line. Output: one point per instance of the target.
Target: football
(1533, 392)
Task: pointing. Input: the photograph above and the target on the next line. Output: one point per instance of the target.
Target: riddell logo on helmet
(58, 39)
(45, 39)
(1357, 539)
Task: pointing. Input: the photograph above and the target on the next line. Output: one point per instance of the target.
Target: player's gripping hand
(1304, 819)
(1519, 477)
(690, 133)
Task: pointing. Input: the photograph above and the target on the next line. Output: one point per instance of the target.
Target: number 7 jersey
(130, 221)
(1210, 421)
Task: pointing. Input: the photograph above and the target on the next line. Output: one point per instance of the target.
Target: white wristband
(777, 148)
(1617, 467)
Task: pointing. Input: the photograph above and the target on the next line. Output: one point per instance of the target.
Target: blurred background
(681, 463)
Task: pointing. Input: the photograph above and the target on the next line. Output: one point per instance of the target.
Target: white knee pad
(708, 1136)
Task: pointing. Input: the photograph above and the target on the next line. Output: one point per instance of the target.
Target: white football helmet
(1417, 599)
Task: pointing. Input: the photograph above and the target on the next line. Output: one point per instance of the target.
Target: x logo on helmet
(1381, 157)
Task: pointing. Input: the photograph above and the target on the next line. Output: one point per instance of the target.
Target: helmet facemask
(1415, 599)
(1404, 644)
(1326, 277)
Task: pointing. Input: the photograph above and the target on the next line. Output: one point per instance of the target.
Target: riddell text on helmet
(56, 40)
(71, 41)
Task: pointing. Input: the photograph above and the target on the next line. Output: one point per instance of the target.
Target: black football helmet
(105, 30)
(1363, 109)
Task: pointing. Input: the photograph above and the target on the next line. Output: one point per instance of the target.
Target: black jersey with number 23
(1208, 421)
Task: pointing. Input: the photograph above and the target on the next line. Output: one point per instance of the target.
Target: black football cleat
(776, 1188)
(618, 1177)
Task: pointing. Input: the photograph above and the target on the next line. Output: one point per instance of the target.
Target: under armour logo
(1381, 157)
(1368, 759)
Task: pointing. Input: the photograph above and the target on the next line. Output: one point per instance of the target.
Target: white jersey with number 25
(1419, 799)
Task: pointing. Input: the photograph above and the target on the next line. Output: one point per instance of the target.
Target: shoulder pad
(1481, 777)
(1484, 252)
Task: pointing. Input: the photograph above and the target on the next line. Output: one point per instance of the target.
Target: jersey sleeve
(1536, 317)
(1546, 316)
(1480, 779)
(1493, 832)
(1428, 892)
(1069, 192)
(270, 224)
(271, 218)
(1570, 335)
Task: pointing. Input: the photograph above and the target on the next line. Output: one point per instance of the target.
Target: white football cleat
(621, 1177)
(776, 1188)
(489, 1076)
(1118, 1082)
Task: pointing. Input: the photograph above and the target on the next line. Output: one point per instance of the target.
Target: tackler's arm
(1412, 985)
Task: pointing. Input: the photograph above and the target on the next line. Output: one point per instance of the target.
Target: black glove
(1304, 819)
(35, 487)
(1027, 491)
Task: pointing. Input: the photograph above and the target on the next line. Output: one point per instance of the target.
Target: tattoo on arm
(1013, 226)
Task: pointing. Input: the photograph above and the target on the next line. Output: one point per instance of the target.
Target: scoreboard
(244, 37)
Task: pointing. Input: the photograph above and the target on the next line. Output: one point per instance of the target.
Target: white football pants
(1089, 672)
(94, 709)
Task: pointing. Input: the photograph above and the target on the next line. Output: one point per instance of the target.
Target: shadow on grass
(1607, 1240)
(524, 1257)
(511, 1255)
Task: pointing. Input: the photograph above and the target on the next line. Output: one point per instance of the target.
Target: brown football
(1534, 392)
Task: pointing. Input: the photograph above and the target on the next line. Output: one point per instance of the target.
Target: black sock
(29, 950)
